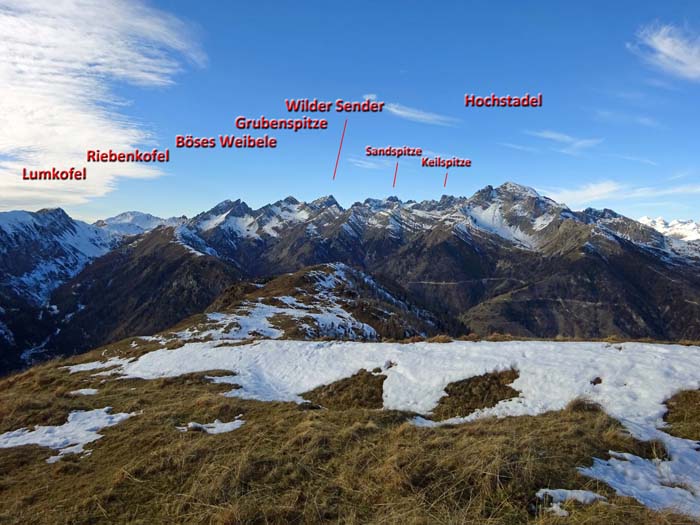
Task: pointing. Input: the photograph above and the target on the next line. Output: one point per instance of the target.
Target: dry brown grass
(505, 337)
(484, 391)
(683, 415)
(290, 465)
(440, 338)
(362, 390)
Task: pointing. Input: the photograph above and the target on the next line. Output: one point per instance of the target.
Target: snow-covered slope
(135, 223)
(39, 251)
(631, 382)
(685, 230)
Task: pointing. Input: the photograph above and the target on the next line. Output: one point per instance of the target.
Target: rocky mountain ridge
(504, 260)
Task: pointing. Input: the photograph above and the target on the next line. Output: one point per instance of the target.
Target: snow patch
(84, 392)
(81, 428)
(559, 496)
(97, 365)
(217, 427)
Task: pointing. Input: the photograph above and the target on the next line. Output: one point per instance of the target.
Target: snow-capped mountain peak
(686, 230)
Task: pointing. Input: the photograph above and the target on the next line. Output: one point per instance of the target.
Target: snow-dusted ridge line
(636, 380)
(323, 312)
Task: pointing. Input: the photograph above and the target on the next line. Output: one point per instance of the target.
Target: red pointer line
(395, 172)
(339, 149)
(444, 185)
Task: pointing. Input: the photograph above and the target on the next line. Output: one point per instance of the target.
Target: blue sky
(619, 126)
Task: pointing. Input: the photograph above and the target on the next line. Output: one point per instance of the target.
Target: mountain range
(505, 260)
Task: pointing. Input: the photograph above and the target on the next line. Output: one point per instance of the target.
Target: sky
(618, 129)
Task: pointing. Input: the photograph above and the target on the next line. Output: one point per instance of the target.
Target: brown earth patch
(484, 391)
(683, 415)
(362, 390)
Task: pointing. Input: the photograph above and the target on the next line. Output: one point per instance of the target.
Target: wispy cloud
(613, 191)
(638, 97)
(569, 145)
(418, 115)
(681, 175)
(415, 114)
(685, 189)
(619, 117)
(632, 158)
(662, 84)
(518, 147)
(670, 49)
(368, 164)
(584, 195)
(57, 63)
(433, 153)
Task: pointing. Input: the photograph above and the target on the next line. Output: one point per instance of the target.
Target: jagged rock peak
(517, 189)
(326, 202)
(236, 208)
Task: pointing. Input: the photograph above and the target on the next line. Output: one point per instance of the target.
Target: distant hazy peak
(687, 230)
(136, 222)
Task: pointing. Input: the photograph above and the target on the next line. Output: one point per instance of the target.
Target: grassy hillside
(346, 461)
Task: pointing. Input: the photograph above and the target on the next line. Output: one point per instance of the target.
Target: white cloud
(57, 60)
(418, 115)
(370, 96)
(669, 49)
(570, 145)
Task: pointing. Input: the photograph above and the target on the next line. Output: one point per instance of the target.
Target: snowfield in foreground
(632, 382)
